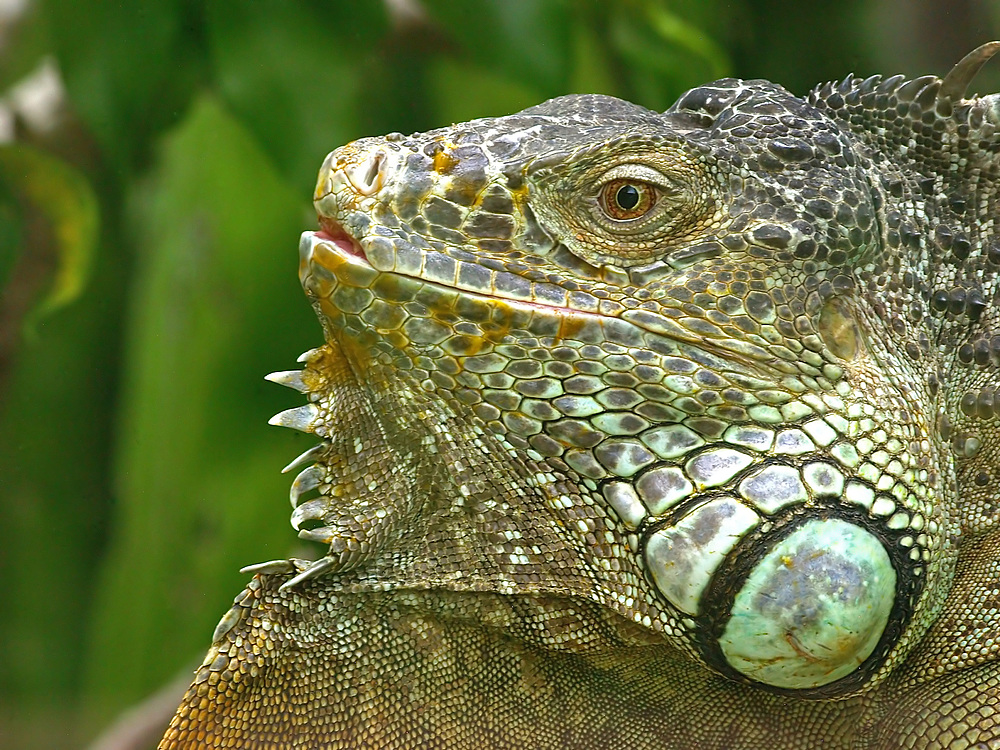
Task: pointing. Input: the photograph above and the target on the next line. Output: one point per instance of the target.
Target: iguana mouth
(331, 231)
(335, 253)
(349, 248)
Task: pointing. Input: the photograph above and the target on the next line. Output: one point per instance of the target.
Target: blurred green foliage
(148, 271)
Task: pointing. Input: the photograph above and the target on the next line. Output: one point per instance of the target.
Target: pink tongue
(340, 239)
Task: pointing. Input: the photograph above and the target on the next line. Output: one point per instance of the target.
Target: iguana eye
(624, 200)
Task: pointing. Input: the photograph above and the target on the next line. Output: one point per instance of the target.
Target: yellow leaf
(64, 198)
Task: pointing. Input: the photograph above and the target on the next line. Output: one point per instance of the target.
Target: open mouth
(331, 231)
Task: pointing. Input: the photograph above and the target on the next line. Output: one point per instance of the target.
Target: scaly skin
(643, 430)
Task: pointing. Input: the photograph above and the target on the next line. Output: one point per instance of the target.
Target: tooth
(308, 479)
(310, 455)
(306, 356)
(271, 566)
(311, 510)
(288, 378)
(317, 568)
(300, 418)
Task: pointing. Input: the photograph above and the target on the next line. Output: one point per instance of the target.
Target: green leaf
(216, 304)
(293, 73)
(528, 41)
(25, 42)
(64, 198)
(54, 437)
(485, 94)
(57, 388)
(10, 232)
(129, 67)
(674, 30)
(663, 55)
(593, 71)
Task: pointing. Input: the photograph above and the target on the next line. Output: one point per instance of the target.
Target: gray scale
(774, 487)
(823, 479)
(793, 442)
(747, 436)
(623, 457)
(672, 441)
(662, 488)
(682, 558)
(715, 467)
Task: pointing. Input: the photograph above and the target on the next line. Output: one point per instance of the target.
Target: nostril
(366, 177)
(375, 168)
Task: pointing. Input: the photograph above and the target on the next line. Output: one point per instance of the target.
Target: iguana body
(643, 430)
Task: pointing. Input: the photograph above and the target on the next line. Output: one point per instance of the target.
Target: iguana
(643, 430)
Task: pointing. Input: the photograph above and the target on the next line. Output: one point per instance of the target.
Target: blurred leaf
(129, 67)
(216, 304)
(65, 199)
(769, 43)
(527, 41)
(10, 232)
(23, 44)
(292, 72)
(593, 69)
(57, 390)
(54, 434)
(663, 55)
(674, 30)
(485, 94)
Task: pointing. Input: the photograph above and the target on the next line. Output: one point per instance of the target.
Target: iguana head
(686, 365)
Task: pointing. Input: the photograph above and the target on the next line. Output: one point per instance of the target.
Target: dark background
(148, 235)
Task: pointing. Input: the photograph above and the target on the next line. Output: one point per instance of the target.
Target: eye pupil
(627, 197)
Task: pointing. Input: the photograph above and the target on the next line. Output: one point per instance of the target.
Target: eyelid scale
(638, 173)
